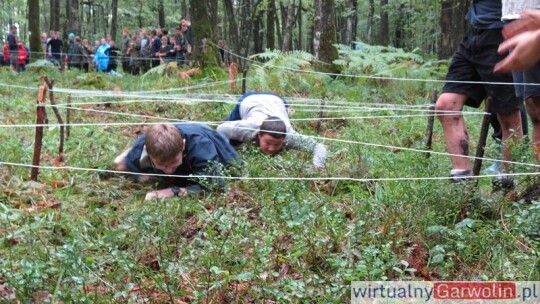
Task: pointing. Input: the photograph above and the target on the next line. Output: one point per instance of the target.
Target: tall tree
(287, 35)
(349, 23)
(383, 38)
(74, 23)
(213, 10)
(324, 36)
(300, 24)
(453, 26)
(204, 51)
(234, 43)
(33, 25)
(55, 15)
(370, 22)
(114, 21)
(161, 14)
(270, 21)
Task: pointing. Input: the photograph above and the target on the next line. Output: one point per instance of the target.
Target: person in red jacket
(6, 55)
(21, 58)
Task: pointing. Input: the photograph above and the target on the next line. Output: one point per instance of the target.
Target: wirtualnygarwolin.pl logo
(445, 292)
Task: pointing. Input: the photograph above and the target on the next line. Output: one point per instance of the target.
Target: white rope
(221, 121)
(285, 178)
(317, 110)
(325, 139)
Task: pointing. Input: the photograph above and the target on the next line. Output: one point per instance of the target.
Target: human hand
(530, 21)
(525, 52)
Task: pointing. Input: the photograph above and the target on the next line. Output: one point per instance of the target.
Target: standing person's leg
(460, 90)
(531, 94)
(455, 131)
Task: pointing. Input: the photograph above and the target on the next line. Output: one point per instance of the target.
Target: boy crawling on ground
(179, 150)
(264, 116)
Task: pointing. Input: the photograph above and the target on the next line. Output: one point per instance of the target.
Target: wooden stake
(431, 119)
(483, 138)
(68, 116)
(50, 84)
(244, 74)
(38, 140)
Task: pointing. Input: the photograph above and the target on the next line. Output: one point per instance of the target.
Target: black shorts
(474, 61)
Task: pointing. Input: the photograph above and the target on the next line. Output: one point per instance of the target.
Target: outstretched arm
(240, 130)
(301, 142)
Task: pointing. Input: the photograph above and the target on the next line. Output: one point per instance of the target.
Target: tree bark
(324, 37)
(287, 37)
(204, 52)
(270, 21)
(300, 25)
(234, 44)
(370, 21)
(349, 22)
(33, 26)
(114, 21)
(161, 13)
(384, 23)
(453, 26)
(55, 15)
(213, 10)
(257, 37)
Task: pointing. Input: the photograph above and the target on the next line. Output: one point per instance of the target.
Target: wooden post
(38, 140)
(244, 74)
(50, 84)
(483, 138)
(321, 115)
(431, 119)
(68, 116)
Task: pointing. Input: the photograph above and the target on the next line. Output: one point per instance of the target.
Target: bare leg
(455, 132)
(511, 130)
(533, 108)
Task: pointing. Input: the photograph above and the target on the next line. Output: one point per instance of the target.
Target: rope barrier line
(218, 122)
(315, 108)
(287, 178)
(322, 139)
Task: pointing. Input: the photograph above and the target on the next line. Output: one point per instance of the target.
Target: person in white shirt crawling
(264, 117)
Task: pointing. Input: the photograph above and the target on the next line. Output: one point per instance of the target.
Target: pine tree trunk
(349, 23)
(287, 37)
(453, 26)
(55, 15)
(213, 9)
(370, 22)
(161, 13)
(324, 37)
(33, 26)
(234, 44)
(384, 23)
(270, 21)
(300, 25)
(204, 52)
(257, 36)
(114, 21)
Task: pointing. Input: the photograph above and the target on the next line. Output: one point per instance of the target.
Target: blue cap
(71, 35)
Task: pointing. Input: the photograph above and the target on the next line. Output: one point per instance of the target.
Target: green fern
(282, 72)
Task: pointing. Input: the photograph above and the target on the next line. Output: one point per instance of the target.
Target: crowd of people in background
(138, 51)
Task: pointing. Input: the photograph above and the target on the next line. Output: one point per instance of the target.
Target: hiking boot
(459, 176)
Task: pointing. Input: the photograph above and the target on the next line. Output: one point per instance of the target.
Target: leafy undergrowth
(85, 236)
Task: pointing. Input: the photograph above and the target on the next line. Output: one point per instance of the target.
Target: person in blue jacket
(180, 150)
(101, 58)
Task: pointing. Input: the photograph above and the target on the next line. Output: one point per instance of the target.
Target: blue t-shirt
(485, 14)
